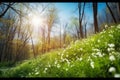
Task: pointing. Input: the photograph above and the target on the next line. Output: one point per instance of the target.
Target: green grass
(96, 56)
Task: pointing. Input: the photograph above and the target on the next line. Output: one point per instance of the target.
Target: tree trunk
(48, 46)
(119, 10)
(60, 36)
(111, 12)
(33, 48)
(95, 17)
(80, 19)
(85, 30)
(43, 40)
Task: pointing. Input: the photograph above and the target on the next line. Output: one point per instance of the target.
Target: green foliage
(96, 56)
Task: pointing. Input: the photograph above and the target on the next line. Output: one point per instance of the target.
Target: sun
(36, 21)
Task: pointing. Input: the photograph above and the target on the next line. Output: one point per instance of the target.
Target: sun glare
(36, 21)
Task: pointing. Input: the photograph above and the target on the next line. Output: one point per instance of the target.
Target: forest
(71, 39)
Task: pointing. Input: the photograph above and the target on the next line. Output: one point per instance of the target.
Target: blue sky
(66, 9)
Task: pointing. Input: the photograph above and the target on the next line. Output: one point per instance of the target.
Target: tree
(80, 18)
(85, 25)
(60, 37)
(75, 27)
(95, 8)
(111, 12)
(5, 7)
(119, 9)
(43, 32)
(51, 20)
(64, 33)
(8, 30)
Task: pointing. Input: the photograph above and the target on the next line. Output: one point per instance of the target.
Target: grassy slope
(96, 56)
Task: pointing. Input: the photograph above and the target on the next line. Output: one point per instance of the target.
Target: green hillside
(96, 56)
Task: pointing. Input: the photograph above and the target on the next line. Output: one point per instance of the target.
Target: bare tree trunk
(43, 40)
(111, 12)
(95, 17)
(64, 35)
(48, 46)
(80, 19)
(60, 36)
(119, 10)
(85, 30)
(80, 27)
(33, 48)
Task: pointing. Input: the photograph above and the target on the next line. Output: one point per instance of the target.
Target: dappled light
(60, 39)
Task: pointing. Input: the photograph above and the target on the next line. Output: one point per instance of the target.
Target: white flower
(66, 69)
(49, 65)
(112, 49)
(94, 55)
(112, 26)
(68, 63)
(66, 60)
(62, 54)
(37, 73)
(111, 45)
(92, 64)
(103, 54)
(74, 54)
(66, 55)
(77, 57)
(80, 59)
(35, 69)
(117, 75)
(95, 49)
(29, 74)
(98, 40)
(98, 53)
(58, 53)
(71, 65)
(110, 35)
(89, 58)
(58, 65)
(56, 62)
(118, 26)
(81, 49)
(112, 58)
(108, 49)
(106, 26)
(45, 70)
(112, 69)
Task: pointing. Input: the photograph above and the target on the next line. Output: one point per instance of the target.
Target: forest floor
(95, 56)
